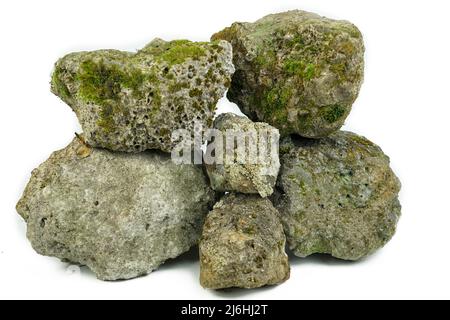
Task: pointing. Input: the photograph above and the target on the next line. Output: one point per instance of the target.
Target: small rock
(297, 71)
(255, 173)
(122, 215)
(133, 102)
(243, 245)
(338, 196)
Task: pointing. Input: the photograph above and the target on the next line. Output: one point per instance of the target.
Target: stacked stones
(113, 199)
(104, 201)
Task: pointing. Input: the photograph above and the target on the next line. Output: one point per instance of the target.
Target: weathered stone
(255, 170)
(122, 215)
(243, 244)
(338, 195)
(133, 102)
(296, 71)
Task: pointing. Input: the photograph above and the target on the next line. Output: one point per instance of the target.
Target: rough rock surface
(122, 215)
(338, 195)
(132, 102)
(256, 174)
(296, 71)
(243, 244)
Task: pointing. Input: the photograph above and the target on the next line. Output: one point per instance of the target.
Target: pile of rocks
(114, 200)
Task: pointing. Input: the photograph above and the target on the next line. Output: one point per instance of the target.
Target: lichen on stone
(291, 67)
(124, 101)
(336, 195)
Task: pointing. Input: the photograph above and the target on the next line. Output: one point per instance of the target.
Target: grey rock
(337, 195)
(297, 71)
(243, 245)
(256, 173)
(122, 215)
(134, 101)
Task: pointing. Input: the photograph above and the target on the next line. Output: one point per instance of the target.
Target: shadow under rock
(324, 259)
(238, 293)
(186, 260)
(189, 258)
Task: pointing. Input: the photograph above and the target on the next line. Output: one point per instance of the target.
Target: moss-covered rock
(296, 71)
(243, 244)
(134, 101)
(336, 195)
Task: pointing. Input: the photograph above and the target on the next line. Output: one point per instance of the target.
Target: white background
(403, 106)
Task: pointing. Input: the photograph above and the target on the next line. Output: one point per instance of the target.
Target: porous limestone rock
(297, 71)
(120, 214)
(134, 101)
(337, 195)
(243, 244)
(256, 169)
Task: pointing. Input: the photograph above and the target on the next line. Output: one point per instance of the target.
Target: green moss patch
(179, 51)
(306, 71)
(100, 83)
(333, 113)
(59, 86)
(106, 119)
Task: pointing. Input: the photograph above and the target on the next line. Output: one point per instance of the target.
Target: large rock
(296, 71)
(255, 170)
(133, 102)
(122, 215)
(243, 244)
(338, 195)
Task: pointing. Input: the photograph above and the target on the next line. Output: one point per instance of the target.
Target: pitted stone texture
(256, 174)
(243, 244)
(122, 215)
(337, 195)
(297, 71)
(133, 102)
